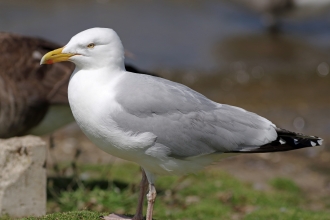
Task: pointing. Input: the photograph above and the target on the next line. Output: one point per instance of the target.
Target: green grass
(284, 185)
(81, 215)
(211, 194)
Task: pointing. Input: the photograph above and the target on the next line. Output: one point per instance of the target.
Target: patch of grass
(287, 214)
(210, 194)
(74, 215)
(285, 185)
(5, 217)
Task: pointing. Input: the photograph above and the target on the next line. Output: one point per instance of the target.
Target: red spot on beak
(49, 62)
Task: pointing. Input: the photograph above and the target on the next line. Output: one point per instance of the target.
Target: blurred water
(284, 78)
(203, 35)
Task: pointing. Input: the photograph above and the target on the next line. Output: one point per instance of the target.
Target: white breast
(93, 104)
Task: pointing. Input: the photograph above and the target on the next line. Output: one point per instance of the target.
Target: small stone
(114, 217)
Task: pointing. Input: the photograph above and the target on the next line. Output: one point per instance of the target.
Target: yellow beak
(55, 56)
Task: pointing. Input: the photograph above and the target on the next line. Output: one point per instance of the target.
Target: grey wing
(185, 122)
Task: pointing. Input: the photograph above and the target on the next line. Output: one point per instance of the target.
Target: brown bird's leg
(139, 210)
(151, 196)
(143, 188)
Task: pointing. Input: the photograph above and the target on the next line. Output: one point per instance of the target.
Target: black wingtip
(285, 141)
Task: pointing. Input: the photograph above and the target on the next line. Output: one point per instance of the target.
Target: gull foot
(117, 217)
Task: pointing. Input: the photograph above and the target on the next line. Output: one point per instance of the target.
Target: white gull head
(96, 48)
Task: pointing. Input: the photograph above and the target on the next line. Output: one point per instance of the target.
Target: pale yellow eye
(91, 45)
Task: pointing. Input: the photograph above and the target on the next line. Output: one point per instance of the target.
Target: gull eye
(91, 45)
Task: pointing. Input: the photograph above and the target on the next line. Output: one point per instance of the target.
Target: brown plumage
(33, 97)
(28, 90)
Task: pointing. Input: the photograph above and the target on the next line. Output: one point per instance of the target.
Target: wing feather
(185, 121)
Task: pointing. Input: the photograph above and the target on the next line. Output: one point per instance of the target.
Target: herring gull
(165, 127)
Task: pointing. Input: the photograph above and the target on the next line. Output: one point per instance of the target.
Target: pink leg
(151, 196)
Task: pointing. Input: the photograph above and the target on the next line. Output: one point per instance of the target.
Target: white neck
(98, 76)
(89, 90)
